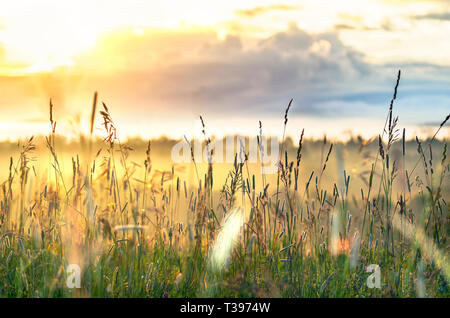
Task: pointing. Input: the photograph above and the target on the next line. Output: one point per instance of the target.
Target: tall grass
(120, 221)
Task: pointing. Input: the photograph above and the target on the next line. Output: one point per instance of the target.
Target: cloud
(356, 24)
(442, 16)
(178, 74)
(431, 123)
(228, 76)
(196, 73)
(344, 26)
(251, 13)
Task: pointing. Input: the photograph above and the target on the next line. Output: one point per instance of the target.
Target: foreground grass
(133, 271)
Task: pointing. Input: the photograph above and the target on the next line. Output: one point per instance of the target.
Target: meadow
(139, 225)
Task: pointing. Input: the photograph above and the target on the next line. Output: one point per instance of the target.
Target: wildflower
(110, 207)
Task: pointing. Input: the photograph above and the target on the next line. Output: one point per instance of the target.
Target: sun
(34, 43)
(43, 49)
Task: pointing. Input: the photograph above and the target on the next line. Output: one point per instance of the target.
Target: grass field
(139, 226)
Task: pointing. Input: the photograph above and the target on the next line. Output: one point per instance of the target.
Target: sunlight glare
(226, 238)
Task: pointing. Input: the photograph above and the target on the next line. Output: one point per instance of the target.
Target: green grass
(303, 236)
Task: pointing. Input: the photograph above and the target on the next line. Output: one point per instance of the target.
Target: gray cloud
(250, 13)
(225, 77)
(356, 24)
(344, 26)
(193, 73)
(443, 16)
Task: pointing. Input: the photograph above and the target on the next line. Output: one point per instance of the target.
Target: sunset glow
(164, 58)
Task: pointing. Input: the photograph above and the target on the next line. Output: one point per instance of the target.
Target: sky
(158, 65)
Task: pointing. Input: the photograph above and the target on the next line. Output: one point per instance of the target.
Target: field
(364, 218)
